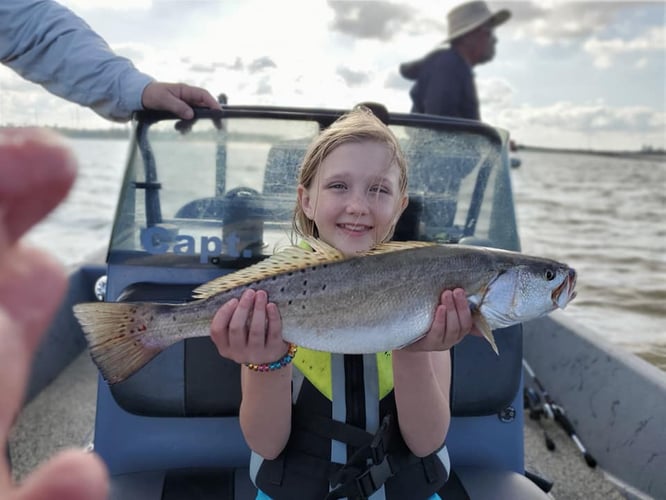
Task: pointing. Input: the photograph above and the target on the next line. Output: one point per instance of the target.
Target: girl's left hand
(453, 321)
(249, 329)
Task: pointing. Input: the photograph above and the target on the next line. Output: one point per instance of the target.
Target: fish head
(527, 291)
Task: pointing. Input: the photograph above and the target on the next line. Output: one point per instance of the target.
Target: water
(604, 216)
(82, 224)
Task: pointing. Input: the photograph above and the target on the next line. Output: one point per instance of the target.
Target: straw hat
(469, 16)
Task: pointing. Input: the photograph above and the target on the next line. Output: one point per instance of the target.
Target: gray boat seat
(171, 430)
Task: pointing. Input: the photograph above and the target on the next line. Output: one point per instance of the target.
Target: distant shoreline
(652, 155)
(118, 132)
(122, 132)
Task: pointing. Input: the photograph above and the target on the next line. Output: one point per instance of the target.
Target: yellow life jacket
(316, 367)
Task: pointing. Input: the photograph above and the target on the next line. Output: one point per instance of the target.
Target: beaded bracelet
(275, 365)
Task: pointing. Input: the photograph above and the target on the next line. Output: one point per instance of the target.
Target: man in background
(444, 82)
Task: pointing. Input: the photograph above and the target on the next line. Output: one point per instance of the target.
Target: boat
(210, 195)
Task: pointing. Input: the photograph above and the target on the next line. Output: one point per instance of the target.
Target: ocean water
(604, 216)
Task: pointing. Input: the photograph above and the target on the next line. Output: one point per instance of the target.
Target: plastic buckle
(379, 443)
(373, 478)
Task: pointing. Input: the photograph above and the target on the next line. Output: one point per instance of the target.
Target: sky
(567, 74)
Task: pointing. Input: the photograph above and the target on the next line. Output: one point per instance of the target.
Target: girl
(384, 416)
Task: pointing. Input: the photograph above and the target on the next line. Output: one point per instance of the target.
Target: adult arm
(48, 44)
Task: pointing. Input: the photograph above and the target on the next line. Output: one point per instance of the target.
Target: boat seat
(184, 484)
(204, 208)
(281, 176)
(437, 177)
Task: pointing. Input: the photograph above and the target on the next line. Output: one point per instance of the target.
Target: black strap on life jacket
(367, 470)
(304, 470)
(373, 465)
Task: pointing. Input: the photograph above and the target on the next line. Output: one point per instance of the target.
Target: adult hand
(177, 98)
(453, 321)
(249, 330)
(36, 173)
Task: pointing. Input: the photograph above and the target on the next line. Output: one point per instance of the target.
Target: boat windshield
(220, 190)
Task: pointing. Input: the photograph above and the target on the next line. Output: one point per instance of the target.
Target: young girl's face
(354, 198)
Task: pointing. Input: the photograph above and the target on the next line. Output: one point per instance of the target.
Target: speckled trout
(378, 301)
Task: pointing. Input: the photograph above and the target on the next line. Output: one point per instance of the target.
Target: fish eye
(550, 274)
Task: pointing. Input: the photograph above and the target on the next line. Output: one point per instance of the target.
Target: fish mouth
(565, 292)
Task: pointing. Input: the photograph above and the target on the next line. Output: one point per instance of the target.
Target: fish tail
(117, 335)
(484, 328)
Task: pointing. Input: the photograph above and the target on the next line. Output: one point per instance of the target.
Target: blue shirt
(48, 44)
(445, 86)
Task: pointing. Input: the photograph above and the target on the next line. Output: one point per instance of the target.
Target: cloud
(264, 87)
(562, 22)
(395, 81)
(604, 51)
(494, 93)
(370, 20)
(596, 117)
(135, 52)
(261, 64)
(351, 77)
(202, 68)
(119, 5)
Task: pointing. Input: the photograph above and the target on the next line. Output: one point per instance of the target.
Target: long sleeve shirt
(444, 85)
(48, 44)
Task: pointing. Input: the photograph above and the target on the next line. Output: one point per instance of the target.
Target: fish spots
(323, 287)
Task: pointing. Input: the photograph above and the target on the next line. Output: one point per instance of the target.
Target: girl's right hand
(249, 330)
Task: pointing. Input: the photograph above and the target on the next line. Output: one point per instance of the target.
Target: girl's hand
(249, 330)
(453, 320)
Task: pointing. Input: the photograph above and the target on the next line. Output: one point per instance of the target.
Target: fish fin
(293, 258)
(324, 250)
(396, 246)
(115, 333)
(484, 328)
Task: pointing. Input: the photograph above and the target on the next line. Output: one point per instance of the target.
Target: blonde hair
(358, 125)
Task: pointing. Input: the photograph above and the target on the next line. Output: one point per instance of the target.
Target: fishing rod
(554, 411)
(532, 401)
